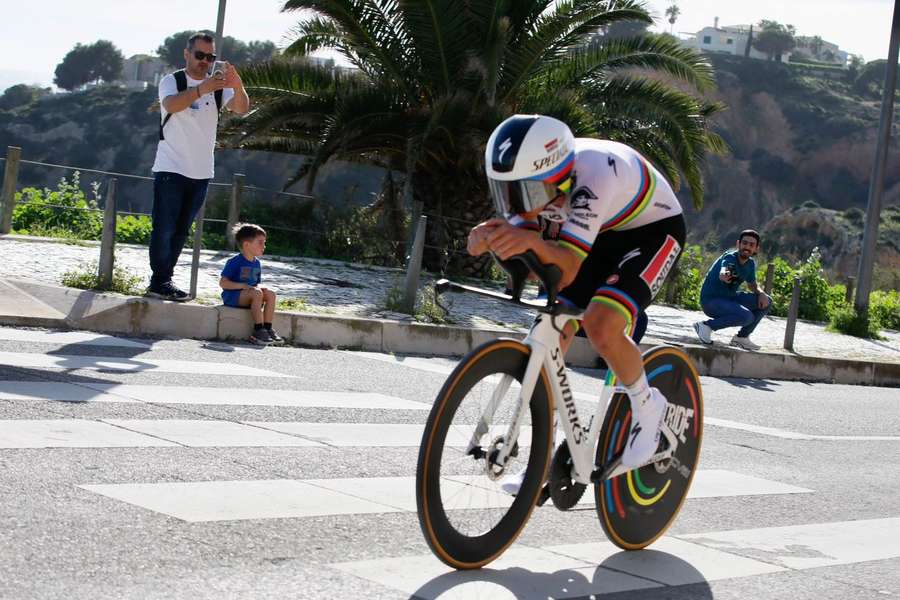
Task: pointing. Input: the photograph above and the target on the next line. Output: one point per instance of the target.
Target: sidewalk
(346, 309)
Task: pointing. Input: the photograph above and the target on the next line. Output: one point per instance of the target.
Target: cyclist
(622, 231)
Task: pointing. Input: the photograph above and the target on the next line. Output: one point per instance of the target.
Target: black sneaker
(261, 337)
(168, 291)
(276, 339)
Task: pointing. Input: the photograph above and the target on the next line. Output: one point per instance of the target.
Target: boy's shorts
(625, 269)
(230, 298)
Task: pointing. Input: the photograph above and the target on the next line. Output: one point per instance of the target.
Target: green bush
(846, 320)
(782, 286)
(814, 289)
(884, 309)
(683, 286)
(64, 212)
(132, 229)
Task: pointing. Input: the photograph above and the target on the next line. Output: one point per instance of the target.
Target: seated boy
(240, 283)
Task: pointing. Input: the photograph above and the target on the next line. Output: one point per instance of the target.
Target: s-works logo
(506, 145)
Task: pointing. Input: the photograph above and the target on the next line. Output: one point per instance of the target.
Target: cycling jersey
(615, 189)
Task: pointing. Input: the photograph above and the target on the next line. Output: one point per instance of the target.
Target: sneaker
(276, 339)
(261, 337)
(644, 435)
(704, 333)
(744, 342)
(511, 483)
(168, 291)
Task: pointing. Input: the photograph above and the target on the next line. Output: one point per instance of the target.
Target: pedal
(544, 495)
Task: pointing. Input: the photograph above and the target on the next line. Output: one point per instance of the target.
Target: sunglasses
(199, 55)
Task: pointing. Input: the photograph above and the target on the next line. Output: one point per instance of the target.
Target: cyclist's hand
(477, 243)
(507, 241)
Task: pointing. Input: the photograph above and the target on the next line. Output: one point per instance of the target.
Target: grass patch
(846, 320)
(426, 309)
(86, 277)
(293, 304)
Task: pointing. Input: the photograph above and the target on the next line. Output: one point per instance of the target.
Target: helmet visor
(522, 196)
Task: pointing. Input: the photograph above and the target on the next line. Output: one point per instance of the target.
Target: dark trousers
(742, 311)
(176, 200)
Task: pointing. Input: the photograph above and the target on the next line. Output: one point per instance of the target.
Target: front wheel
(637, 507)
(466, 518)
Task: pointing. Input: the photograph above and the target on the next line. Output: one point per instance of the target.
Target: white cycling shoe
(643, 439)
(512, 482)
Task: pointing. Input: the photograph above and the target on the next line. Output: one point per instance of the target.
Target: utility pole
(876, 185)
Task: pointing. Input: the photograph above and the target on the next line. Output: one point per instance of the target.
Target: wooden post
(414, 267)
(234, 207)
(10, 180)
(770, 275)
(793, 311)
(108, 240)
(848, 296)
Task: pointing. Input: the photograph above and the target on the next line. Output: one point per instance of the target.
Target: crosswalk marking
(132, 365)
(195, 434)
(71, 433)
(575, 570)
(392, 494)
(161, 394)
(793, 435)
(68, 337)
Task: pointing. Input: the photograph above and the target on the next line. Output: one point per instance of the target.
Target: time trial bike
(494, 417)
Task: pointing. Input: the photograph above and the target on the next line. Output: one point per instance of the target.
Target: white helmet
(527, 159)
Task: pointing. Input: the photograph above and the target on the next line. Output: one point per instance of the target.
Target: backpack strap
(180, 85)
(218, 96)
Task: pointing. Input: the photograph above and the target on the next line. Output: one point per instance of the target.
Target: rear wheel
(637, 507)
(466, 518)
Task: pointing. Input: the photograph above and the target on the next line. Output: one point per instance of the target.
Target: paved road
(186, 469)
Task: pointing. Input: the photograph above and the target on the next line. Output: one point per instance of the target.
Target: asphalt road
(188, 469)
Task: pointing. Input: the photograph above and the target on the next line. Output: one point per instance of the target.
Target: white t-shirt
(190, 135)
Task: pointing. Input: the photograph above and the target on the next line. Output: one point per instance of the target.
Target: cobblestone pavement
(338, 288)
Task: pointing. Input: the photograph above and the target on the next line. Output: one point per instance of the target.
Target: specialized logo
(612, 163)
(635, 432)
(633, 254)
(581, 198)
(660, 265)
(579, 433)
(506, 145)
(551, 159)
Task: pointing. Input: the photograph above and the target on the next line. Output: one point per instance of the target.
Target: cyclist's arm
(507, 240)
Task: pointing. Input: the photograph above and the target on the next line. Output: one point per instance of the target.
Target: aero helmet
(528, 160)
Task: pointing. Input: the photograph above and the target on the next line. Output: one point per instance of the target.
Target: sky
(36, 37)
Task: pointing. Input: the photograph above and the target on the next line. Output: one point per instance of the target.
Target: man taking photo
(721, 300)
(189, 101)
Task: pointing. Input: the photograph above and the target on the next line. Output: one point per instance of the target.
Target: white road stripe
(199, 434)
(68, 337)
(71, 433)
(132, 365)
(159, 394)
(793, 435)
(591, 568)
(393, 494)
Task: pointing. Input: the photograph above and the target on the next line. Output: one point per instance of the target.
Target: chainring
(564, 491)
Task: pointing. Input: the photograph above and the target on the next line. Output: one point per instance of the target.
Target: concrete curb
(58, 307)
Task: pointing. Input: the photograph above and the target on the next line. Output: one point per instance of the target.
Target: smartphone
(218, 70)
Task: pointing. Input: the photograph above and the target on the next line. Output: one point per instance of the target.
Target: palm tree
(434, 77)
(672, 13)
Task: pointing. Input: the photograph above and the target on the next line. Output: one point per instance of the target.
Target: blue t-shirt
(240, 270)
(713, 287)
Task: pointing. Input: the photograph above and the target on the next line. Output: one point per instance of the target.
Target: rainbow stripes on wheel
(637, 507)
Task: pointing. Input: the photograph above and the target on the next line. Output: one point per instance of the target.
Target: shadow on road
(623, 575)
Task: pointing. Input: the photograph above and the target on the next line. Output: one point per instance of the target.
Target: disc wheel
(637, 507)
(467, 519)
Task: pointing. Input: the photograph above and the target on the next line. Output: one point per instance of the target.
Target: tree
(231, 49)
(672, 13)
(93, 62)
(433, 80)
(21, 95)
(775, 39)
(815, 44)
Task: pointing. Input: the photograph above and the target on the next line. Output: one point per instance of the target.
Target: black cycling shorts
(626, 269)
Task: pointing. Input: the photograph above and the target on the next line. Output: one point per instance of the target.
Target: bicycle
(466, 519)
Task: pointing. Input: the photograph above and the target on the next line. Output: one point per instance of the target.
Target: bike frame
(543, 340)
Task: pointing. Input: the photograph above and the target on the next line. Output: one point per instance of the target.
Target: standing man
(189, 111)
(720, 299)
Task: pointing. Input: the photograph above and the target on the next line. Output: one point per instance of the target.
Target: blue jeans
(741, 310)
(176, 200)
